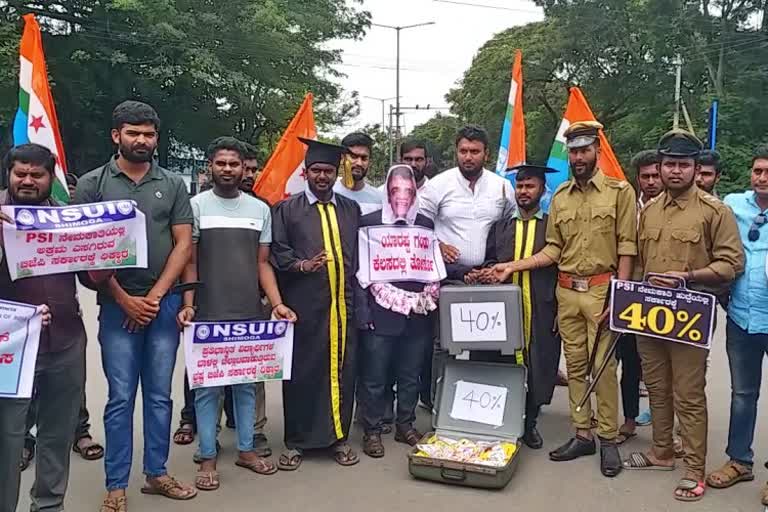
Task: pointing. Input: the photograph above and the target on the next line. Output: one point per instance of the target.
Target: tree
(622, 53)
(239, 67)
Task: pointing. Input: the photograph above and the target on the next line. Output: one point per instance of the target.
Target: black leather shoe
(573, 449)
(610, 458)
(532, 438)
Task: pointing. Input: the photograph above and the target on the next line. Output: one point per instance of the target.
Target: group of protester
(298, 261)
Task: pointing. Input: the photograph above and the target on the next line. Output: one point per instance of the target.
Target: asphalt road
(384, 484)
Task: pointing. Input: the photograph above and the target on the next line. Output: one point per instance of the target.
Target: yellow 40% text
(662, 321)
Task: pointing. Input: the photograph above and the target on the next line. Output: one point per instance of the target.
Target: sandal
(623, 437)
(410, 437)
(689, 485)
(730, 474)
(290, 460)
(260, 465)
(170, 488)
(764, 495)
(88, 450)
(115, 504)
(641, 462)
(27, 456)
(372, 445)
(344, 455)
(185, 434)
(207, 480)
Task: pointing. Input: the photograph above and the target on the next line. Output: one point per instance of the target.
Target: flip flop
(695, 487)
(169, 488)
(207, 480)
(344, 455)
(730, 474)
(638, 461)
(290, 460)
(623, 437)
(260, 466)
(184, 435)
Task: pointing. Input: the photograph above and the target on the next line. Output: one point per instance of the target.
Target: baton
(600, 371)
(600, 328)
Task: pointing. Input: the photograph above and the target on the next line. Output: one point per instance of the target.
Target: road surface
(385, 485)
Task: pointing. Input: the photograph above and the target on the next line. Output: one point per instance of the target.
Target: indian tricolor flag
(283, 175)
(578, 110)
(512, 147)
(36, 118)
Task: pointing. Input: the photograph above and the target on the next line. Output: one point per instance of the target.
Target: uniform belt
(582, 283)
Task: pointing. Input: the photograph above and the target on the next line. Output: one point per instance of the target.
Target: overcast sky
(433, 58)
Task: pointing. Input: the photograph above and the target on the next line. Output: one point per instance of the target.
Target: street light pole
(383, 110)
(398, 29)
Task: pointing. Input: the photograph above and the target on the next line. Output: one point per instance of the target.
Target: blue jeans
(149, 355)
(745, 356)
(207, 414)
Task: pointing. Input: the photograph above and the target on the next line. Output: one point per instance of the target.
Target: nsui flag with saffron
(36, 118)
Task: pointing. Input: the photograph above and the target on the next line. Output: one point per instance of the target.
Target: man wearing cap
(314, 249)
(686, 234)
(591, 236)
(515, 238)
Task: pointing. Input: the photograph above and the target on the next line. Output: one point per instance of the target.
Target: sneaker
(644, 419)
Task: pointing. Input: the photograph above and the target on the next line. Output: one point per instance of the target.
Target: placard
(20, 326)
(478, 321)
(479, 403)
(226, 353)
(399, 253)
(44, 240)
(678, 315)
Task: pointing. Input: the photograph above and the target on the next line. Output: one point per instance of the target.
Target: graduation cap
(322, 153)
(531, 171)
(581, 134)
(680, 143)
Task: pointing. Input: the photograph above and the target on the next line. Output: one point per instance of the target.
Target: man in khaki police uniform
(591, 236)
(687, 234)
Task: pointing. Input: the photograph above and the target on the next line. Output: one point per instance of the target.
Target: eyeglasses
(754, 229)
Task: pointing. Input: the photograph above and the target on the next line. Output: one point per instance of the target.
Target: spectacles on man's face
(754, 229)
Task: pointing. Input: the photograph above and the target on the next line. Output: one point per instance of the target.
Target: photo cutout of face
(401, 204)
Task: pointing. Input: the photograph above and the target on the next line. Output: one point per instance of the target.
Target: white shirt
(463, 217)
(369, 198)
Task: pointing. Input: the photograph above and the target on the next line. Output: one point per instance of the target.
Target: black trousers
(382, 354)
(631, 373)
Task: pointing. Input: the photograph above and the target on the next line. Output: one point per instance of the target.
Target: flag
(578, 110)
(512, 147)
(36, 119)
(284, 173)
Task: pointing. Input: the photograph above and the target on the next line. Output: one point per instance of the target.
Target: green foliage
(622, 54)
(238, 67)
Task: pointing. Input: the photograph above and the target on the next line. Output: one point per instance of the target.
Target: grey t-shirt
(227, 234)
(369, 197)
(161, 196)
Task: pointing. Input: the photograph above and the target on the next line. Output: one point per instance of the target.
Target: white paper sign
(478, 321)
(20, 326)
(479, 403)
(227, 353)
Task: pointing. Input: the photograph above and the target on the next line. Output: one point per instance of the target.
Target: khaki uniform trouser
(577, 320)
(675, 375)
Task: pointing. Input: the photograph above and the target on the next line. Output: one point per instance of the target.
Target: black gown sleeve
(282, 256)
(491, 257)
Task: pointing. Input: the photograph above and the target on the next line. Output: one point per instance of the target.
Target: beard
(137, 154)
(39, 196)
(247, 184)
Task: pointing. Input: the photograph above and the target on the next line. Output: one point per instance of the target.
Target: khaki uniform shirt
(690, 232)
(590, 228)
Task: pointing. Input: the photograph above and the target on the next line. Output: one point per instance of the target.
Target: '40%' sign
(479, 403)
(674, 314)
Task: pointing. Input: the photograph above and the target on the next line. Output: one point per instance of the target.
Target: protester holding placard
(592, 237)
(59, 369)
(137, 322)
(400, 271)
(314, 249)
(517, 237)
(692, 237)
(231, 230)
(747, 328)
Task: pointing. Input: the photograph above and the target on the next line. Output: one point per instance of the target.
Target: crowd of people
(370, 348)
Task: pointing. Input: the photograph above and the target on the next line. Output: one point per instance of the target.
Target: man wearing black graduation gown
(314, 249)
(516, 237)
